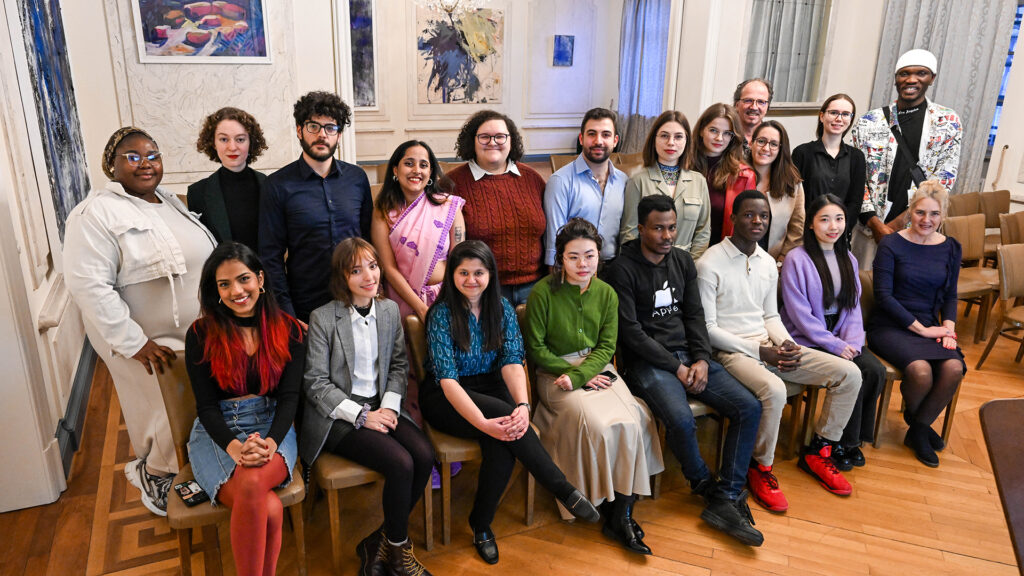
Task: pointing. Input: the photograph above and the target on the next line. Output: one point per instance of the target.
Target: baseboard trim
(69, 429)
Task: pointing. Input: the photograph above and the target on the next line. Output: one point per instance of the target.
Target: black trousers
(491, 396)
(861, 426)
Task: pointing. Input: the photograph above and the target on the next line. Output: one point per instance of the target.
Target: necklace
(669, 173)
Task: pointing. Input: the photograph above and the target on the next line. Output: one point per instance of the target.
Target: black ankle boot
(372, 554)
(619, 526)
(840, 458)
(917, 440)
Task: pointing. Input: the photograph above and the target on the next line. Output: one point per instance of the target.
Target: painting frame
(363, 66)
(149, 53)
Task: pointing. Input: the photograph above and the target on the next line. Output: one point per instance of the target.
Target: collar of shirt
(479, 172)
(307, 172)
(581, 167)
(355, 316)
(733, 252)
(819, 148)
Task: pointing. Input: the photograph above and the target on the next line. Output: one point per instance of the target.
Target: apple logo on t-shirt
(664, 303)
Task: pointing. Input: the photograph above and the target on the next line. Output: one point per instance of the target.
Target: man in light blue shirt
(589, 188)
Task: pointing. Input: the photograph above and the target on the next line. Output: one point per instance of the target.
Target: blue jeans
(666, 397)
(517, 294)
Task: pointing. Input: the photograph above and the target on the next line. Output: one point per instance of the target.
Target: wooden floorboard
(902, 518)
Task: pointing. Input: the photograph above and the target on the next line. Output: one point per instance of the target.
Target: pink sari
(420, 237)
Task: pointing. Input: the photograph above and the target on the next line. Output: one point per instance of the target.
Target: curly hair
(321, 103)
(465, 143)
(115, 140)
(207, 134)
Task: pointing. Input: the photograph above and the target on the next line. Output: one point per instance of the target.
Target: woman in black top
(228, 201)
(830, 166)
(245, 359)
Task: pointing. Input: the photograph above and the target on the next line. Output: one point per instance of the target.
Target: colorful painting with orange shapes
(222, 32)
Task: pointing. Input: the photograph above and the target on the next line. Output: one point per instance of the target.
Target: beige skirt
(605, 441)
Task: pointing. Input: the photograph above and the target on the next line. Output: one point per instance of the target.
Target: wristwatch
(527, 404)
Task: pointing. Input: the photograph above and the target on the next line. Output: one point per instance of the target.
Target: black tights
(403, 456)
(928, 387)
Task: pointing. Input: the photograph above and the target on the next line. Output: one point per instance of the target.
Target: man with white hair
(904, 143)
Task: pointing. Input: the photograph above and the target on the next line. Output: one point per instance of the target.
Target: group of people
(641, 293)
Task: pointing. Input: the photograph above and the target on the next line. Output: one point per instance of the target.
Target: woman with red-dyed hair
(245, 358)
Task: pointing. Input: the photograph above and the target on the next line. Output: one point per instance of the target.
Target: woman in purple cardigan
(821, 309)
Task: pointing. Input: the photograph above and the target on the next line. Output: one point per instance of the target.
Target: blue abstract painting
(364, 73)
(213, 32)
(54, 94)
(562, 55)
(460, 59)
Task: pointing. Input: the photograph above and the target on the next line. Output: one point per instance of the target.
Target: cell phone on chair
(191, 493)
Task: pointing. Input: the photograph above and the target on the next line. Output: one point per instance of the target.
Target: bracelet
(361, 419)
(527, 404)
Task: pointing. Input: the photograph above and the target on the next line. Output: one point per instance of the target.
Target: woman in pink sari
(416, 222)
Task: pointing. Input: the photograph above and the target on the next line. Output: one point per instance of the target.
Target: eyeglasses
(834, 114)
(763, 142)
(753, 101)
(315, 127)
(485, 139)
(134, 159)
(715, 133)
(666, 137)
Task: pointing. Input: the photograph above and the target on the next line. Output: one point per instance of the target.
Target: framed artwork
(362, 18)
(562, 54)
(459, 59)
(175, 32)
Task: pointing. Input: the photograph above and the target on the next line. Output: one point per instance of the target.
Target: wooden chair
(559, 160)
(447, 167)
(375, 190)
(1011, 228)
(448, 448)
(892, 373)
(976, 284)
(992, 205)
(180, 404)
(964, 204)
(382, 172)
(1011, 285)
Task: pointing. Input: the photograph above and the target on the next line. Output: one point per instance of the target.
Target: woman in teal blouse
(477, 388)
(595, 430)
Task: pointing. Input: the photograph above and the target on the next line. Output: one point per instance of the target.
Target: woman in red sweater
(719, 157)
(503, 200)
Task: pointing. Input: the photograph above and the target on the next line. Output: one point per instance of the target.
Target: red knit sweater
(506, 212)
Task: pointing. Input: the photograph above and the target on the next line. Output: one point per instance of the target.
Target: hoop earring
(395, 178)
(430, 182)
(263, 290)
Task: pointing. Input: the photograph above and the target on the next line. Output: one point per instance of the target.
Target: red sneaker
(820, 465)
(765, 488)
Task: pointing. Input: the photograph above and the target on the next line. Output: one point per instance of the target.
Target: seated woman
(667, 158)
(821, 309)
(355, 381)
(503, 200)
(589, 421)
(913, 325)
(830, 166)
(718, 156)
(779, 180)
(244, 357)
(477, 388)
(415, 224)
(228, 201)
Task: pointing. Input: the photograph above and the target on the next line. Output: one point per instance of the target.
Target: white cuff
(393, 401)
(347, 411)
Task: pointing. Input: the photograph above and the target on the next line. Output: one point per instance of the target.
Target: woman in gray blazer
(356, 377)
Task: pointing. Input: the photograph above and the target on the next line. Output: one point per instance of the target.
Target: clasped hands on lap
(693, 377)
(507, 428)
(943, 334)
(256, 451)
(381, 420)
(785, 356)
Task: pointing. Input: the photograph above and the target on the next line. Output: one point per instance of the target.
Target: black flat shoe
(935, 440)
(622, 531)
(917, 440)
(485, 545)
(856, 456)
(580, 507)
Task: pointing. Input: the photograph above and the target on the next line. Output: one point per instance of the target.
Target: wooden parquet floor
(902, 519)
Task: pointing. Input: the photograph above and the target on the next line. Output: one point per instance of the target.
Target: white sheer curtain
(970, 41)
(783, 46)
(643, 52)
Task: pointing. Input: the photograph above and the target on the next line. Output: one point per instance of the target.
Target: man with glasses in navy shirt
(310, 205)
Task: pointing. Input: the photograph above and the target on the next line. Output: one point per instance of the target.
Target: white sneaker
(153, 489)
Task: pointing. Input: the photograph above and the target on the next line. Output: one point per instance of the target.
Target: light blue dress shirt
(573, 192)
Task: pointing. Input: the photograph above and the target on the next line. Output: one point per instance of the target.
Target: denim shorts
(212, 465)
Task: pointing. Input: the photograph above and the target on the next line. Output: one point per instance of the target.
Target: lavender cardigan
(803, 309)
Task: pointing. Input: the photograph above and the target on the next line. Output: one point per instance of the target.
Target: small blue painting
(563, 50)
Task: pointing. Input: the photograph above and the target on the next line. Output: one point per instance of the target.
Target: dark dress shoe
(840, 458)
(637, 529)
(621, 529)
(608, 508)
(917, 440)
(856, 456)
(485, 545)
(372, 554)
(580, 507)
(938, 444)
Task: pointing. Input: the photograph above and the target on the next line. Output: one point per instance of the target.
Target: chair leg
(1020, 352)
(809, 413)
(721, 442)
(795, 404)
(334, 511)
(446, 502)
(883, 409)
(299, 529)
(991, 342)
(947, 422)
(983, 311)
(185, 551)
(428, 517)
(531, 493)
(655, 486)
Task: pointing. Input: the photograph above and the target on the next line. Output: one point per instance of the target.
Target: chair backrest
(964, 204)
(1011, 228)
(993, 204)
(375, 190)
(180, 403)
(416, 335)
(559, 160)
(867, 294)
(969, 231)
(1011, 271)
(447, 167)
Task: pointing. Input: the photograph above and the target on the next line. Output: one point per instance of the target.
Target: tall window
(785, 46)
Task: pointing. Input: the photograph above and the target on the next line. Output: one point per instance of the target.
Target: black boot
(402, 562)
(619, 526)
(372, 554)
(734, 518)
(840, 458)
(917, 440)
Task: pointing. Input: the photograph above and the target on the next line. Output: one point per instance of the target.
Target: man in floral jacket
(932, 134)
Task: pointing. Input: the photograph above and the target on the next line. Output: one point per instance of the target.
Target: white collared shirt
(365, 367)
(479, 172)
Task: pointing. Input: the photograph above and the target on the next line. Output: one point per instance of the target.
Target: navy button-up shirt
(306, 216)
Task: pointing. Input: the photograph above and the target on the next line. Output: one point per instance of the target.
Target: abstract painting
(459, 59)
(562, 55)
(364, 68)
(54, 96)
(176, 31)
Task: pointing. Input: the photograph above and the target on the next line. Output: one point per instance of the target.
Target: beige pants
(840, 378)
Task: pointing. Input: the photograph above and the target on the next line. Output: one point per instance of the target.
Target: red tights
(256, 516)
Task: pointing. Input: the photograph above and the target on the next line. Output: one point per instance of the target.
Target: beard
(308, 149)
(596, 155)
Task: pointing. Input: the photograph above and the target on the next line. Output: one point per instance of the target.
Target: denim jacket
(110, 243)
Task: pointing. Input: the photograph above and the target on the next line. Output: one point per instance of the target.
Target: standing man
(310, 205)
(752, 99)
(590, 187)
(664, 347)
(904, 144)
(739, 290)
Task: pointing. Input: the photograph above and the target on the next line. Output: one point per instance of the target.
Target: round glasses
(764, 142)
(315, 127)
(485, 139)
